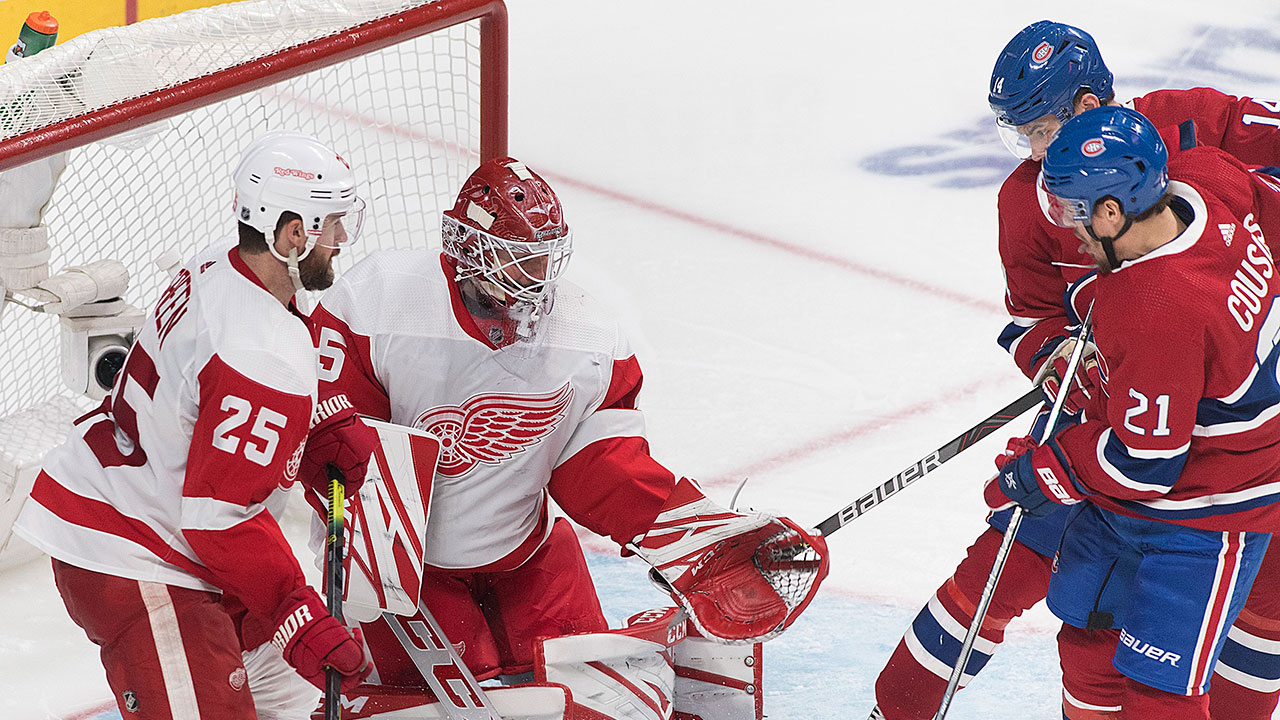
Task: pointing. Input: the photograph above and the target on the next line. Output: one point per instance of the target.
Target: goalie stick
(930, 462)
(1015, 521)
(450, 680)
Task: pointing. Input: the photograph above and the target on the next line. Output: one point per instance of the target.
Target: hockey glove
(338, 437)
(311, 640)
(1085, 390)
(743, 577)
(1036, 477)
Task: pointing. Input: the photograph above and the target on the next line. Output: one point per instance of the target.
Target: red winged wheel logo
(491, 427)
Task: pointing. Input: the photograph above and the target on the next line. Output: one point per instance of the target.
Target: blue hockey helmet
(1110, 151)
(1039, 73)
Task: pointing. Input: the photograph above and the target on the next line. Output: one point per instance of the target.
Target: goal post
(255, 72)
(151, 119)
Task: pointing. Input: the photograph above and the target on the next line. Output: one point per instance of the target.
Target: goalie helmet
(285, 171)
(1105, 152)
(1039, 73)
(507, 233)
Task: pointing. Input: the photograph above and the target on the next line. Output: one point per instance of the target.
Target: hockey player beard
(316, 272)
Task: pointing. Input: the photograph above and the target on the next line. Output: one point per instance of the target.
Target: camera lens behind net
(108, 365)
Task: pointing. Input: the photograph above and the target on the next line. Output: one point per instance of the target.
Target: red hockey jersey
(1187, 337)
(168, 480)
(1040, 260)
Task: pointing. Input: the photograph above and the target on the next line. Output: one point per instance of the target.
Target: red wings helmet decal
(491, 427)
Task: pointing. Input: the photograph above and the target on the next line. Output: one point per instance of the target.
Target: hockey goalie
(531, 389)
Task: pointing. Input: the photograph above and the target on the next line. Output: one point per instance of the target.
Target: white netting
(407, 118)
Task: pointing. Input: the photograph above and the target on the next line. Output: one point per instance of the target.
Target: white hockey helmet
(285, 171)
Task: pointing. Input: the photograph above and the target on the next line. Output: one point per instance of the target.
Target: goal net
(153, 116)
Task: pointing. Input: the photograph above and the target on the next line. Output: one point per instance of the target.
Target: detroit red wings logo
(491, 427)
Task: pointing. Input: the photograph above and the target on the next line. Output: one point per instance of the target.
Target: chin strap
(1108, 243)
(300, 300)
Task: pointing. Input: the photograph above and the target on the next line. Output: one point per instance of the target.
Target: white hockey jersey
(557, 415)
(166, 481)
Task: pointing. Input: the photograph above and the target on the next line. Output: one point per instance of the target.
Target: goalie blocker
(654, 668)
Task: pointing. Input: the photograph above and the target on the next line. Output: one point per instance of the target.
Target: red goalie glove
(743, 577)
(340, 438)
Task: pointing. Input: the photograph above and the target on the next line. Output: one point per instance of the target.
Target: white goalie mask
(507, 233)
(284, 171)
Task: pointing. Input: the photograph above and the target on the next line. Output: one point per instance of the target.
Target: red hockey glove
(311, 641)
(743, 577)
(1037, 477)
(340, 437)
(1087, 386)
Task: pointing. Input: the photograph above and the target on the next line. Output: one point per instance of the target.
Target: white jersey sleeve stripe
(203, 513)
(1160, 469)
(602, 425)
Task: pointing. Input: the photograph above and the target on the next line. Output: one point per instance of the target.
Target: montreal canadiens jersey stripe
(1138, 470)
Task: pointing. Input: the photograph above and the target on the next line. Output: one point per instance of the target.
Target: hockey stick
(448, 677)
(930, 462)
(333, 586)
(1015, 521)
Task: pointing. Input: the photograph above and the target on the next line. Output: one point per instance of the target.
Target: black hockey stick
(333, 584)
(930, 462)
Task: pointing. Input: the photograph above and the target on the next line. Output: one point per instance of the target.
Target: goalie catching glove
(742, 577)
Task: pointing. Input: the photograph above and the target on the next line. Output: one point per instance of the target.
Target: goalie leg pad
(381, 702)
(715, 681)
(743, 577)
(624, 674)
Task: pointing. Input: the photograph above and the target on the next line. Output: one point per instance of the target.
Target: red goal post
(152, 117)
(257, 72)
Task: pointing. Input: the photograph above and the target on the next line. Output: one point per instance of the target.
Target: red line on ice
(782, 245)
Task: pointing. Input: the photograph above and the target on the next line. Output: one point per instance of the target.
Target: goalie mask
(507, 240)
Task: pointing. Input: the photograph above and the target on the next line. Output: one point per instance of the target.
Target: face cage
(480, 254)
(1063, 212)
(352, 220)
(1019, 144)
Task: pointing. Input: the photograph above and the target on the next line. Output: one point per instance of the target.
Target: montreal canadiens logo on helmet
(1092, 147)
(1041, 53)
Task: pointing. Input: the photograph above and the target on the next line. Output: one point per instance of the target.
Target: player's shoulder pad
(371, 292)
(579, 321)
(253, 333)
(1019, 188)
